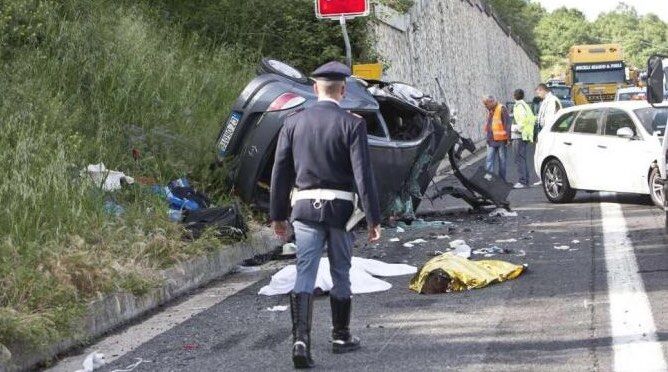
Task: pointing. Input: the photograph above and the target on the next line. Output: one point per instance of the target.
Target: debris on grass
(277, 308)
(562, 247)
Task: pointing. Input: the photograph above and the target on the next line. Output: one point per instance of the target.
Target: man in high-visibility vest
(497, 132)
(522, 136)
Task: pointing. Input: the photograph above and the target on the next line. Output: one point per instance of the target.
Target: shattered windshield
(653, 119)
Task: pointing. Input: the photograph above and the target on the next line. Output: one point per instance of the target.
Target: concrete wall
(461, 43)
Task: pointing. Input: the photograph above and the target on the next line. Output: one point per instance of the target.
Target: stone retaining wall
(465, 46)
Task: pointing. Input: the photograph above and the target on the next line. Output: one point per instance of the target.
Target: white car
(631, 94)
(607, 146)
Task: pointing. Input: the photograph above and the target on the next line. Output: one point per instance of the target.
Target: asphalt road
(581, 308)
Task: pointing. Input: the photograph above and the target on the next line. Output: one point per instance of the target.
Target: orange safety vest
(498, 130)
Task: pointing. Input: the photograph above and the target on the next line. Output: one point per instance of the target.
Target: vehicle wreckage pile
(410, 134)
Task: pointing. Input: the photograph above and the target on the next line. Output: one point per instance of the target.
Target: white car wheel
(656, 187)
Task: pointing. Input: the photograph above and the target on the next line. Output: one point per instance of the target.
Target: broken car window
(404, 124)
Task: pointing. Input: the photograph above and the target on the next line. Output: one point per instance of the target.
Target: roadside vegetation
(90, 81)
(552, 33)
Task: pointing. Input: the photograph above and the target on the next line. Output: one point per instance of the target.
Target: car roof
(627, 105)
(630, 90)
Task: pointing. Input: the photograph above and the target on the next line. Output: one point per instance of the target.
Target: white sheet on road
(362, 280)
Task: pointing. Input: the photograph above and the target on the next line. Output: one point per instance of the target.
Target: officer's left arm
(282, 177)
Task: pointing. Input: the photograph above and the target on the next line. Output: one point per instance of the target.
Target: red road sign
(338, 8)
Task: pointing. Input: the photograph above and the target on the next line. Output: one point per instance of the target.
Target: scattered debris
(562, 247)
(506, 240)
(575, 241)
(441, 237)
(278, 308)
(394, 240)
(520, 253)
(457, 242)
(190, 346)
(92, 362)
(436, 253)
(501, 212)
(447, 273)
(362, 277)
(492, 251)
(113, 208)
(400, 229)
(227, 221)
(132, 366)
(412, 244)
(108, 180)
(247, 269)
(289, 249)
(422, 224)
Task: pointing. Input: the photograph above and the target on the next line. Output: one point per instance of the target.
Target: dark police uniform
(322, 147)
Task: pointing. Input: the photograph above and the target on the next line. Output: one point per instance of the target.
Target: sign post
(342, 10)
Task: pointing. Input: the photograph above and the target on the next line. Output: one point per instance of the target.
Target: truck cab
(595, 72)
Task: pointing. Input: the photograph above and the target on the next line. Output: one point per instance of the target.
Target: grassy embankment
(86, 82)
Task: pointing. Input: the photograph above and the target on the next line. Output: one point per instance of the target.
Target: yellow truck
(595, 72)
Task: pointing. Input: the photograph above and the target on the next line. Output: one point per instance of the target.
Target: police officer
(323, 152)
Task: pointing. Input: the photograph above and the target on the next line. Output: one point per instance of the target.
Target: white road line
(635, 344)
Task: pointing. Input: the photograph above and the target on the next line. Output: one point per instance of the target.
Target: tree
(521, 16)
(558, 31)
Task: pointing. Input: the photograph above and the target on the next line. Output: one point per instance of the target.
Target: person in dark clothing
(323, 150)
(497, 132)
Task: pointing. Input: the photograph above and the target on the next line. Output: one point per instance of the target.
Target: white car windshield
(653, 119)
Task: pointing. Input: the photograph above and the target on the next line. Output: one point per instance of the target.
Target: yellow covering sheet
(465, 274)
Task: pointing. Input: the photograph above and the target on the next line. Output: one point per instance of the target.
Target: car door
(552, 143)
(626, 161)
(583, 155)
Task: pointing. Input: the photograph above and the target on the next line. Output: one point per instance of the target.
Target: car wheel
(555, 183)
(273, 66)
(656, 187)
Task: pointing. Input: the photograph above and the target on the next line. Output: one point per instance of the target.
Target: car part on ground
(409, 135)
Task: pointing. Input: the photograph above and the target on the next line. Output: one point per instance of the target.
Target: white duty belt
(318, 195)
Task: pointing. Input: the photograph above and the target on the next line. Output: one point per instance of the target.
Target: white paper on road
(362, 280)
(92, 362)
(502, 213)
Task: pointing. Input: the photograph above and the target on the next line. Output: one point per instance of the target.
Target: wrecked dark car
(409, 134)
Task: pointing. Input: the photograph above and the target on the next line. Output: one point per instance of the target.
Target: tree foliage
(287, 30)
(522, 16)
(553, 33)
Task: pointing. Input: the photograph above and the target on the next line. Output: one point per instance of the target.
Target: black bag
(188, 193)
(228, 222)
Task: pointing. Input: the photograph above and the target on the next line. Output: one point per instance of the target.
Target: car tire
(555, 182)
(267, 66)
(656, 187)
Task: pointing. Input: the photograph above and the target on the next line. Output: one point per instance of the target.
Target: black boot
(301, 305)
(342, 340)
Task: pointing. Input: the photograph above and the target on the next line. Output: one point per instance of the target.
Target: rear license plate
(230, 128)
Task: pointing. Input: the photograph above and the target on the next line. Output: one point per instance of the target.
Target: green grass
(86, 82)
